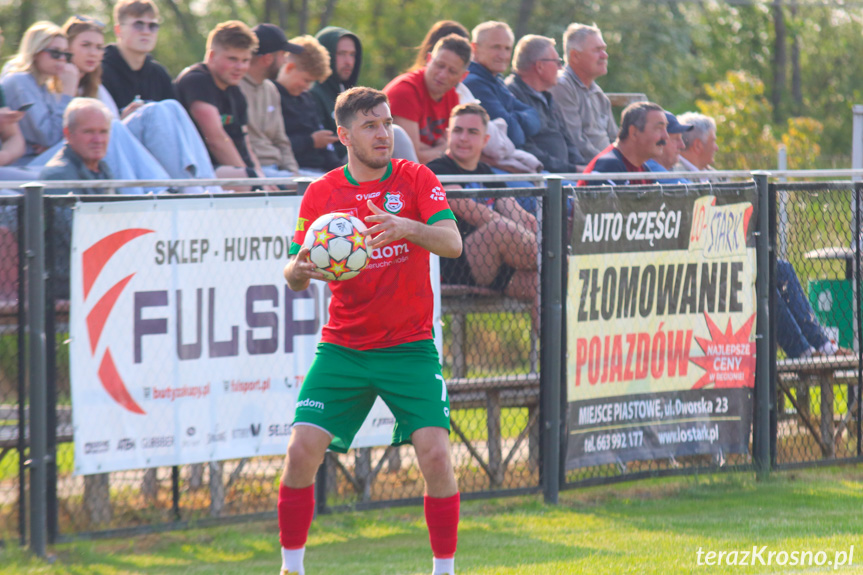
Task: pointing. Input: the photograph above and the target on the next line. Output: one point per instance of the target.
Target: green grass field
(654, 526)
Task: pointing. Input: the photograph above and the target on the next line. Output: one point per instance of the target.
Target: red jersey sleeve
(431, 197)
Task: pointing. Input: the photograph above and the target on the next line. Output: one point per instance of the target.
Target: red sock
(442, 520)
(296, 511)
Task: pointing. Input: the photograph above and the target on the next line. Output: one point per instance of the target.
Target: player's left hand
(385, 227)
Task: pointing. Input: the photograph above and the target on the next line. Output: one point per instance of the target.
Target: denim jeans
(797, 328)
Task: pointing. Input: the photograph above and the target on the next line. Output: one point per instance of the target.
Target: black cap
(272, 39)
(674, 125)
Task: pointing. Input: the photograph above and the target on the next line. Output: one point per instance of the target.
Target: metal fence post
(551, 288)
(761, 420)
(36, 376)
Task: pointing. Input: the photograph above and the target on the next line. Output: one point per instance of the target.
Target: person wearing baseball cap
(670, 154)
(266, 125)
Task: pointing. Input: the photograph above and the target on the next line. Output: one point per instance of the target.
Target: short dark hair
(456, 44)
(471, 108)
(635, 114)
(357, 99)
(438, 30)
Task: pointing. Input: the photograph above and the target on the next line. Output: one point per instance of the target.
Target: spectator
(163, 128)
(671, 150)
(266, 125)
(209, 91)
(439, 30)
(423, 99)
(643, 134)
(311, 142)
(586, 108)
(535, 65)
(86, 37)
(129, 72)
(699, 145)
(499, 237)
(41, 75)
(798, 332)
(492, 50)
(12, 145)
(346, 59)
(87, 128)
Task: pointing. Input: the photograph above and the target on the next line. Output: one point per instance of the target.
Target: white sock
(444, 566)
(292, 560)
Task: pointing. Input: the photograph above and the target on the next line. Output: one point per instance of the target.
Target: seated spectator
(499, 237)
(311, 142)
(666, 161)
(210, 93)
(699, 145)
(643, 134)
(441, 29)
(87, 128)
(492, 50)
(798, 332)
(41, 75)
(421, 101)
(535, 65)
(586, 108)
(346, 59)
(12, 145)
(130, 73)
(266, 125)
(163, 128)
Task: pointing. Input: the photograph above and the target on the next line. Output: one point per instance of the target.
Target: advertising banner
(186, 343)
(661, 326)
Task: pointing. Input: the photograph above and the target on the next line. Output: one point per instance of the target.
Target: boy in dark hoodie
(346, 58)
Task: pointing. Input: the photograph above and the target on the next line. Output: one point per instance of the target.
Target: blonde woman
(42, 78)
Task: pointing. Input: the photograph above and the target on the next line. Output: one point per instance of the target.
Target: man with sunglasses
(129, 72)
(535, 64)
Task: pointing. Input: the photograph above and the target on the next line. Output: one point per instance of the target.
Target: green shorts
(342, 385)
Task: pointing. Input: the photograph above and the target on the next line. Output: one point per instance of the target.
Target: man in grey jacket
(586, 108)
(535, 65)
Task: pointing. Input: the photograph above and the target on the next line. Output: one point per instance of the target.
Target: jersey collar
(386, 175)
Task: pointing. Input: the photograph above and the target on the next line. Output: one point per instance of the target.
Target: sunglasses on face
(58, 54)
(140, 26)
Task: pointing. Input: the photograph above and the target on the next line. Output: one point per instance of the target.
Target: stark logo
(393, 203)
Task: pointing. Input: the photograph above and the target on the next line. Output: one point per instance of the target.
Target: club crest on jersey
(393, 203)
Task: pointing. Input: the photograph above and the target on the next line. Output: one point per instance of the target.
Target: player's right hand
(300, 270)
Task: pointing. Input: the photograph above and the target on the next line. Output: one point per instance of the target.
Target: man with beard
(378, 340)
(266, 125)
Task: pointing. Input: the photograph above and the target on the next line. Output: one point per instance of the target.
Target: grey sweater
(42, 125)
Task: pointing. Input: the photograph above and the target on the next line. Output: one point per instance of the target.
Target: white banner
(186, 343)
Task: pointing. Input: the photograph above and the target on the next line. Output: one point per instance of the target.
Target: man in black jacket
(129, 73)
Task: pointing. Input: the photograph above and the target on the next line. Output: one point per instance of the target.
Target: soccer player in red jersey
(378, 341)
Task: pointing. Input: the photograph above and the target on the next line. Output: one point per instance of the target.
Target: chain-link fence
(12, 391)
(489, 333)
(816, 304)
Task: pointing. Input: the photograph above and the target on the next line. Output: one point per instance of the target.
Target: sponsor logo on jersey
(437, 194)
(351, 211)
(393, 203)
(301, 224)
(371, 196)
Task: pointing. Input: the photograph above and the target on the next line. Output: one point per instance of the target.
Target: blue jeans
(797, 328)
